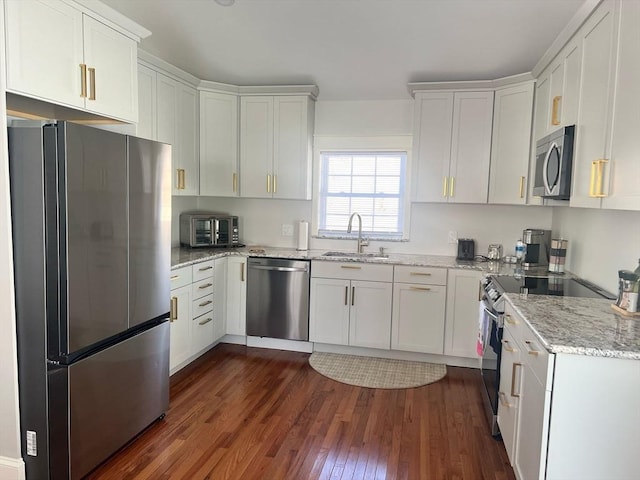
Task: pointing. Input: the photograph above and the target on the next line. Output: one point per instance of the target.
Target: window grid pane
(369, 183)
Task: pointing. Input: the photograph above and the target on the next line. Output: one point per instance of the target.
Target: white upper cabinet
(453, 144)
(275, 146)
(218, 144)
(511, 140)
(624, 187)
(60, 55)
(147, 115)
(590, 167)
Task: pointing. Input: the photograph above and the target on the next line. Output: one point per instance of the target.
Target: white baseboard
(235, 339)
(280, 344)
(12, 468)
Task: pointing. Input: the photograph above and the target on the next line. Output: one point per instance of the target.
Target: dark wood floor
(248, 413)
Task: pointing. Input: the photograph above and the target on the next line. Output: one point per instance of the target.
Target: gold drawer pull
(510, 320)
(173, 277)
(451, 188)
(507, 347)
(352, 267)
(206, 285)
(420, 273)
(205, 268)
(531, 351)
(503, 400)
(204, 322)
(420, 288)
(204, 304)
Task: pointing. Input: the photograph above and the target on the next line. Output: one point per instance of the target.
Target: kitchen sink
(356, 255)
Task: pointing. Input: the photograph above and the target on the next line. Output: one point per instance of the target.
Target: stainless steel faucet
(361, 241)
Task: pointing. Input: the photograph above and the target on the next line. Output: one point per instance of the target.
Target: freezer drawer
(114, 395)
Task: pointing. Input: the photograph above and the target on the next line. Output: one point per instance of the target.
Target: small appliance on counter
(206, 229)
(537, 244)
(495, 252)
(466, 249)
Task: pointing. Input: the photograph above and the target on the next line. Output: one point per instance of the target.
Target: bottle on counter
(519, 250)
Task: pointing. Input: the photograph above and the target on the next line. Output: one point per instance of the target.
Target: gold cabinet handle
(206, 285)
(202, 269)
(503, 400)
(420, 288)
(509, 319)
(204, 304)
(600, 177)
(83, 80)
(204, 322)
(242, 272)
(173, 277)
(444, 186)
(522, 187)
(346, 294)
(173, 309)
(352, 267)
(353, 296)
(275, 183)
(506, 346)
(420, 273)
(451, 187)
(592, 179)
(555, 116)
(234, 182)
(513, 379)
(92, 82)
(181, 179)
(268, 183)
(530, 350)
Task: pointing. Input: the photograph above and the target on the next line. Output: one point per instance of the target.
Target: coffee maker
(537, 243)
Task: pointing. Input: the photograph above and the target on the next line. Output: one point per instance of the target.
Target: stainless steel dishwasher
(278, 298)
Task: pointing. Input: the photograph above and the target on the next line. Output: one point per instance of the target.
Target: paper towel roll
(303, 235)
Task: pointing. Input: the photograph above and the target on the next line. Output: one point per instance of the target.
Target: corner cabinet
(219, 144)
(461, 332)
(276, 135)
(350, 304)
(236, 308)
(452, 144)
(511, 141)
(84, 63)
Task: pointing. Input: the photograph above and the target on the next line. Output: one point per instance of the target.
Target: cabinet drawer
(352, 271)
(421, 275)
(202, 332)
(202, 288)
(537, 357)
(203, 270)
(202, 305)
(513, 322)
(180, 277)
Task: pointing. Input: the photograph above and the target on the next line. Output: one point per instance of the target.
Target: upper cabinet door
(111, 60)
(256, 146)
(44, 51)
(511, 142)
(218, 144)
(187, 138)
(293, 117)
(594, 108)
(470, 147)
(147, 114)
(432, 145)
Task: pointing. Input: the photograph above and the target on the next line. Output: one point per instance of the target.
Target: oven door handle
(489, 311)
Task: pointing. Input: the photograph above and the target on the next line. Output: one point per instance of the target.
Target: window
(369, 183)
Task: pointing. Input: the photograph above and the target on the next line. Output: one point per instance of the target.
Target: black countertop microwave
(554, 159)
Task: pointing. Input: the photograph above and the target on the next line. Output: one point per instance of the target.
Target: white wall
(179, 205)
(601, 242)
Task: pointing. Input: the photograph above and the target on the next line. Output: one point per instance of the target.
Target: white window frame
(380, 144)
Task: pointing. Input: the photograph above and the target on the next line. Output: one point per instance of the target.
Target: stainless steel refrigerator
(91, 216)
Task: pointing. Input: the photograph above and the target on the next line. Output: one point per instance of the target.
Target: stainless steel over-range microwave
(554, 158)
(202, 229)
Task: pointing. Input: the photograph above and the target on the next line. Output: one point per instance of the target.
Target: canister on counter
(557, 255)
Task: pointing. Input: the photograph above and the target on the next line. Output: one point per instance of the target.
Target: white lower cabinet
(462, 313)
(419, 299)
(350, 304)
(180, 317)
(509, 393)
(236, 296)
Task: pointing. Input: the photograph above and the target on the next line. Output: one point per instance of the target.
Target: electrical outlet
(287, 230)
(453, 236)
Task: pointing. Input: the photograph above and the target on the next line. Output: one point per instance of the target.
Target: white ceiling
(351, 49)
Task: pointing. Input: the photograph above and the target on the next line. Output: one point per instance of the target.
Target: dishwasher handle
(278, 269)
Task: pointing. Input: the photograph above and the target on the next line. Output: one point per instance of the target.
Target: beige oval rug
(373, 372)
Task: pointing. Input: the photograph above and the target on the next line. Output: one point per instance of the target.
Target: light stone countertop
(182, 256)
(579, 326)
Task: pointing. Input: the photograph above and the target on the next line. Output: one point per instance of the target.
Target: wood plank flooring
(249, 413)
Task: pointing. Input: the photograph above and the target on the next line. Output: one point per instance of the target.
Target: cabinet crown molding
(417, 87)
(155, 63)
(111, 17)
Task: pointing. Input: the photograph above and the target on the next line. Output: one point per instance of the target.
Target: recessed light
(225, 3)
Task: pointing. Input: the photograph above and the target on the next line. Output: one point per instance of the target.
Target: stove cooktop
(559, 286)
